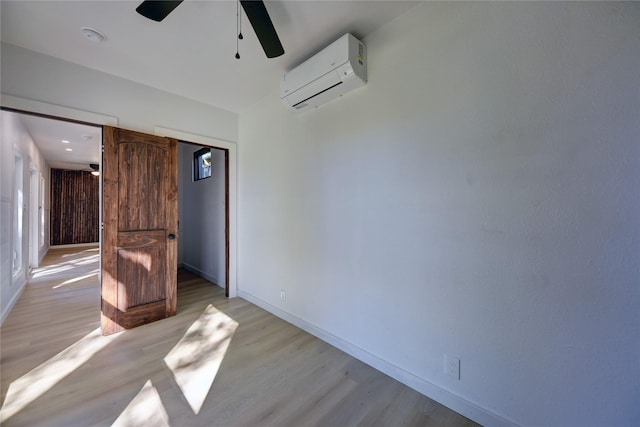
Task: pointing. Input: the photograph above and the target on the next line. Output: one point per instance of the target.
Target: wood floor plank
(56, 370)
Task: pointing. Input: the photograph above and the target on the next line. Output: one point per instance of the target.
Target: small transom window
(202, 164)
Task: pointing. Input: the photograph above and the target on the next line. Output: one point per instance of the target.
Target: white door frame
(231, 148)
(29, 105)
(34, 217)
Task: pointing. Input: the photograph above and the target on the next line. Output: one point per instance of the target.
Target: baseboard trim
(201, 273)
(432, 391)
(13, 302)
(42, 253)
(74, 245)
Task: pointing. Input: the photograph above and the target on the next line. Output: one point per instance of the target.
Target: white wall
(35, 76)
(478, 197)
(202, 216)
(16, 140)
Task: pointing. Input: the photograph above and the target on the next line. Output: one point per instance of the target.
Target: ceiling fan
(94, 168)
(256, 11)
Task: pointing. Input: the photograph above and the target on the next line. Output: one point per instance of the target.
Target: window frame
(199, 172)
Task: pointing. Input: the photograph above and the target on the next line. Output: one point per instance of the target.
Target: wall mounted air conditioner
(337, 69)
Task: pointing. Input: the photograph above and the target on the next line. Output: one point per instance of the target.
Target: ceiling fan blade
(263, 27)
(157, 10)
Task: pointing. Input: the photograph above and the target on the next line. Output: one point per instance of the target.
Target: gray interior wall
(478, 197)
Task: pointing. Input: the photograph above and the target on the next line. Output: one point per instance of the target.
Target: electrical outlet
(283, 295)
(452, 366)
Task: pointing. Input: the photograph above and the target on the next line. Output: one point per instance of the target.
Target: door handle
(171, 236)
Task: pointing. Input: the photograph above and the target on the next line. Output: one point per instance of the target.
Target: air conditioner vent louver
(316, 94)
(337, 69)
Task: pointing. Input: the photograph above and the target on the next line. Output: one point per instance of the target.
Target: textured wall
(75, 202)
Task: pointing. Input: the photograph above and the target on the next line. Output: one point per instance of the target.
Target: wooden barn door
(139, 246)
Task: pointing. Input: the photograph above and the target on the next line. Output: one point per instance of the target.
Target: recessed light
(93, 34)
(64, 141)
(68, 149)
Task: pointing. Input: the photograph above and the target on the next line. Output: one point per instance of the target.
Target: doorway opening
(226, 153)
(203, 214)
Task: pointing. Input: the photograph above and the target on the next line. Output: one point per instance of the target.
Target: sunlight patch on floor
(41, 379)
(62, 267)
(196, 358)
(47, 271)
(86, 260)
(145, 409)
(77, 279)
(75, 254)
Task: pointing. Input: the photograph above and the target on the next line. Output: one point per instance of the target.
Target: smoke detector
(93, 34)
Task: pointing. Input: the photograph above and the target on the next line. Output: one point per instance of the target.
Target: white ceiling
(84, 141)
(192, 52)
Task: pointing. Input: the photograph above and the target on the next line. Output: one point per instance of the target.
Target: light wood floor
(217, 362)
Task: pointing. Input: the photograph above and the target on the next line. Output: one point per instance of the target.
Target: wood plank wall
(75, 204)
